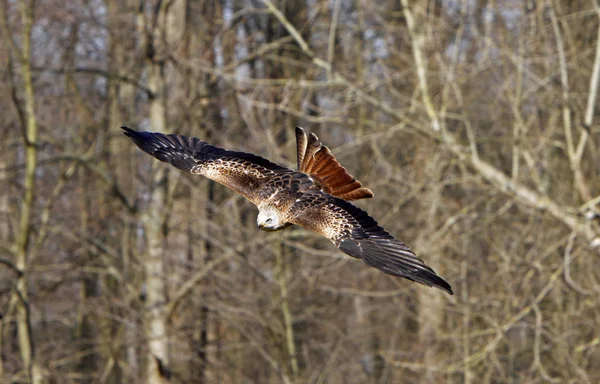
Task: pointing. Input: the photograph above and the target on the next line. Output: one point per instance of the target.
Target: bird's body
(314, 197)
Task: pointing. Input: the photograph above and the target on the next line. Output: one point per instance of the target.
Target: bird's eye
(269, 221)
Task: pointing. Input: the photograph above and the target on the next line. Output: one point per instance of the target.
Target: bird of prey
(315, 197)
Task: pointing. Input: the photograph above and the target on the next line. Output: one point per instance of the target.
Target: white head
(269, 219)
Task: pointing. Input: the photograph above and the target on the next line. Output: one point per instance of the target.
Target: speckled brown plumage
(314, 197)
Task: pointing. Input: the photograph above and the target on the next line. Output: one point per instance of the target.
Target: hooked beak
(263, 227)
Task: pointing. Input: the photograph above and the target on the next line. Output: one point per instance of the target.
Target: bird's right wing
(357, 234)
(242, 172)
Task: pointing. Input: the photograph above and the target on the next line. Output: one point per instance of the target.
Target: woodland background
(475, 123)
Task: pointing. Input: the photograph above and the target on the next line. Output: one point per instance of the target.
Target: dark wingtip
(440, 283)
(430, 279)
(128, 131)
(299, 130)
(446, 286)
(400, 262)
(146, 141)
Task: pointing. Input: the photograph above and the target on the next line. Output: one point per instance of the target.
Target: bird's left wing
(357, 234)
(242, 172)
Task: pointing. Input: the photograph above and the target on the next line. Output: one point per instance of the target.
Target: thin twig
(289, 27)
(567, 266)
(97, 71)
(591, 102)
(421, 66)
(537, 362)
(574, 158)
(11, 266)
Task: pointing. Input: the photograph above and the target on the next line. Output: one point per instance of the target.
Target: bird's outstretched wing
(317, 161)
(357, 234)
(242, 172)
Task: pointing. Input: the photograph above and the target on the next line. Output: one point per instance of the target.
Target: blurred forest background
(475, 123)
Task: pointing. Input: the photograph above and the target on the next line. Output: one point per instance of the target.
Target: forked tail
(317, 161)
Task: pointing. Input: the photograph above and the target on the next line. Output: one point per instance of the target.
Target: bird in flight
(315, 197)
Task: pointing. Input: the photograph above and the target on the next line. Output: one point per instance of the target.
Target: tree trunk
(166, 32)
(22, 241)
(153, 221)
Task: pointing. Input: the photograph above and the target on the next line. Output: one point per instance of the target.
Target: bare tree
(23, 238)
(474, 123)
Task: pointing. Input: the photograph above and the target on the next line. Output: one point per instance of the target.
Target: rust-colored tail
(317, 161)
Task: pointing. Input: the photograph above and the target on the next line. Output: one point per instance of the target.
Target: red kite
(314, 197)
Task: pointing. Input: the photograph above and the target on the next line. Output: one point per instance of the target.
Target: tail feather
(328, 170)
(341, 179)
(301, 145)
(317, 161)
(356, 194)
(323, 158)
(309, 157)
(347, 188)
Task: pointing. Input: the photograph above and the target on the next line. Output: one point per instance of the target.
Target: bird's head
(269, 219)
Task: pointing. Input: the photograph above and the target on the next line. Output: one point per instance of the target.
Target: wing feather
(357, 234)
(242, 172)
